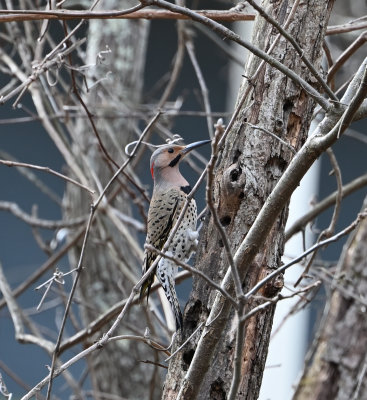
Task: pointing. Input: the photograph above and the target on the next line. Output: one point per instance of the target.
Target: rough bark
(248, 168)
(111, 264)
(339, 366)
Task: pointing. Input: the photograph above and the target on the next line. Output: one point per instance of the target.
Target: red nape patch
(152, 170)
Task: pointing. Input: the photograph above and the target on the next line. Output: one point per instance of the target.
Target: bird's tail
(170, 292)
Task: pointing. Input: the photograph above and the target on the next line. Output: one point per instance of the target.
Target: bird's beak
(193, 146)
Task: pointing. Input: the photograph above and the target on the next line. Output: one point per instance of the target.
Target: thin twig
(316, 246)
(185, 342)
(193, 270)
(108, 315)
(277, 298)
(296, 47)
(57, 371)
(46, 169)
(361, 379)
(225, 48)
(347, 53)
(289, 146)
(132, 13)
(348, 27)
(38, 222)
(17, 317)
(324, 204)
(46, 266)
(84, 106)
(4, 389)
(153, 363)
(300, 304)
(58, 276)
(33, 178)
(330, 230)
(15, 378)
(339, 182)
(202, 84)
(236, 38)
(151, 343)
(177, 66)
(37, 70)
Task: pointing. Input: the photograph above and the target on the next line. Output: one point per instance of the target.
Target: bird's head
(167, 158)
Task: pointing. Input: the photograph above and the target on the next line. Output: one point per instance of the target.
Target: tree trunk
(249, 166)
(339, 366)
(113, 261)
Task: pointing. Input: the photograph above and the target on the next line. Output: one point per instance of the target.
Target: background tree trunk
(108, 276)
(339, 366)
(249, 166)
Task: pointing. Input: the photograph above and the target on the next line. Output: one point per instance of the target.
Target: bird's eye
(170, 150)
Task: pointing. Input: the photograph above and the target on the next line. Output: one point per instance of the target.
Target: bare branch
(298, 49)
(132, 13)
(15, 377)
(177, 66)
(361, 378)
(28, 174)
(277, 298)
(107, 316)
(289, 146)
(185, 342)
(46, 169)
(316, 246)
(37, 71)
(17, 318)
(202, 84)
(96, 346)
(228, 50)
(37, 222)
(3, 389)
(46, 266)
(348, 27)
(330, 230)
(317, 209)
(236, 38)
(347, 53)
(193, 270)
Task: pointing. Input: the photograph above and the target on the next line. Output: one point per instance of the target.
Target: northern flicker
(169, 196)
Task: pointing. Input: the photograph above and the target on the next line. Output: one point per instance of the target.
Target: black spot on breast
(186, 189)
